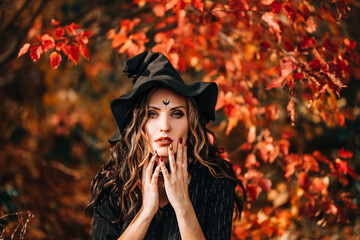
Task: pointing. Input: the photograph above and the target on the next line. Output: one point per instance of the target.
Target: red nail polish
(158, 163)
(161, 159)
(185, 144)
(180, 140)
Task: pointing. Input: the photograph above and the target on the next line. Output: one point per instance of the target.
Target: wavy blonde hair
(121, 173)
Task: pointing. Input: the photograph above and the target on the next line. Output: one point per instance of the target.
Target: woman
(164, 178)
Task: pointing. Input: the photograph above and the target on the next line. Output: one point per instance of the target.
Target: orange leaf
(159, 10)
(84, 52)
(170, 4)
(59, 32)
(198, 4)
(270, 19)
(54, 22)
(250, 161)
(71, 29)
(55, 59)
(24, 49)
(48, 42)
(290, 108)
(350, 44)
(303, 180)
(118, 40)
(35, 53)
(72, 52)
(345, 153)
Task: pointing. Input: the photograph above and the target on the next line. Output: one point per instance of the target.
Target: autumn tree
(286, 114)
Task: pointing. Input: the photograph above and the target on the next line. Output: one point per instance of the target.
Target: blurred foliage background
(55, 124)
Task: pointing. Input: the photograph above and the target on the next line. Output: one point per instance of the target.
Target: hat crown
(148, 66)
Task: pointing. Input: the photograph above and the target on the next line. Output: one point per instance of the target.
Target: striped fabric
(213, 201)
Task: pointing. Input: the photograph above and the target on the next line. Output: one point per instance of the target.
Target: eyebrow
(156, 108)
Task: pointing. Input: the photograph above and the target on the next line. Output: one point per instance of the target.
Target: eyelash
(176, 114)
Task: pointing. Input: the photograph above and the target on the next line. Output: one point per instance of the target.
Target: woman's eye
(178, 114)
(151, 114)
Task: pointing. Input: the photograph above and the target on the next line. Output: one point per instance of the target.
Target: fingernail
(158, 163)
(161, 159)
(180, 140)
(170, 146)
(155, 152)
(185, 144)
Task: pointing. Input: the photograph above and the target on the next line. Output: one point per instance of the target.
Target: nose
(164, 123)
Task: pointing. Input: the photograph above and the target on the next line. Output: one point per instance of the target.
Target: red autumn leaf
(339, 119)
(118, 40)
(35, 53)
(251, 134)
(298, 76)
(286, 67)
(276, 6)
(310, 25)
(303, 180)
(341, 166)
(309, 163)
(24, 49)
(71, 29)
(250, 161)
(54, 22)
(319, 185)
(345, 153)
(253, 191)
(84, 52)
(246, 147)
(350, 44)
(291, 12)
(315, 64)
(170, 4)
(270, 19)
(237, 169)
(159, 10)
(198, 4)
(284, 146)
(58, 46)
(59, 32)
(292, 161)
(278, 82)
(290, 108)
(55, 59)
(334, 82)
(307, 42)
(214, 29)
(72, 51)
(48, 42)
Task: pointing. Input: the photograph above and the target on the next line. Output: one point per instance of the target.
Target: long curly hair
(121, 173)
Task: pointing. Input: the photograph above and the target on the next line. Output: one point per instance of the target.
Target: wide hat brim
(204, 93)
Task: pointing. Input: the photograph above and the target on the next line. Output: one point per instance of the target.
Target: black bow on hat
(149, 70)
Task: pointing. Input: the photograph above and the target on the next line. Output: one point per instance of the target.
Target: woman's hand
(149, 183)
(176, 182)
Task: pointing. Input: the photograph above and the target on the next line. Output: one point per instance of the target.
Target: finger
(185, 160)
(185, 163)
(150, 166)
(179, 153)
(164, 169)
(155, 176)
(171, 159)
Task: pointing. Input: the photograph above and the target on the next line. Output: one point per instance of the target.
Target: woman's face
(167, 121)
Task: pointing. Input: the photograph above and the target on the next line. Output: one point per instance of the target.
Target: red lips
(164, 141)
